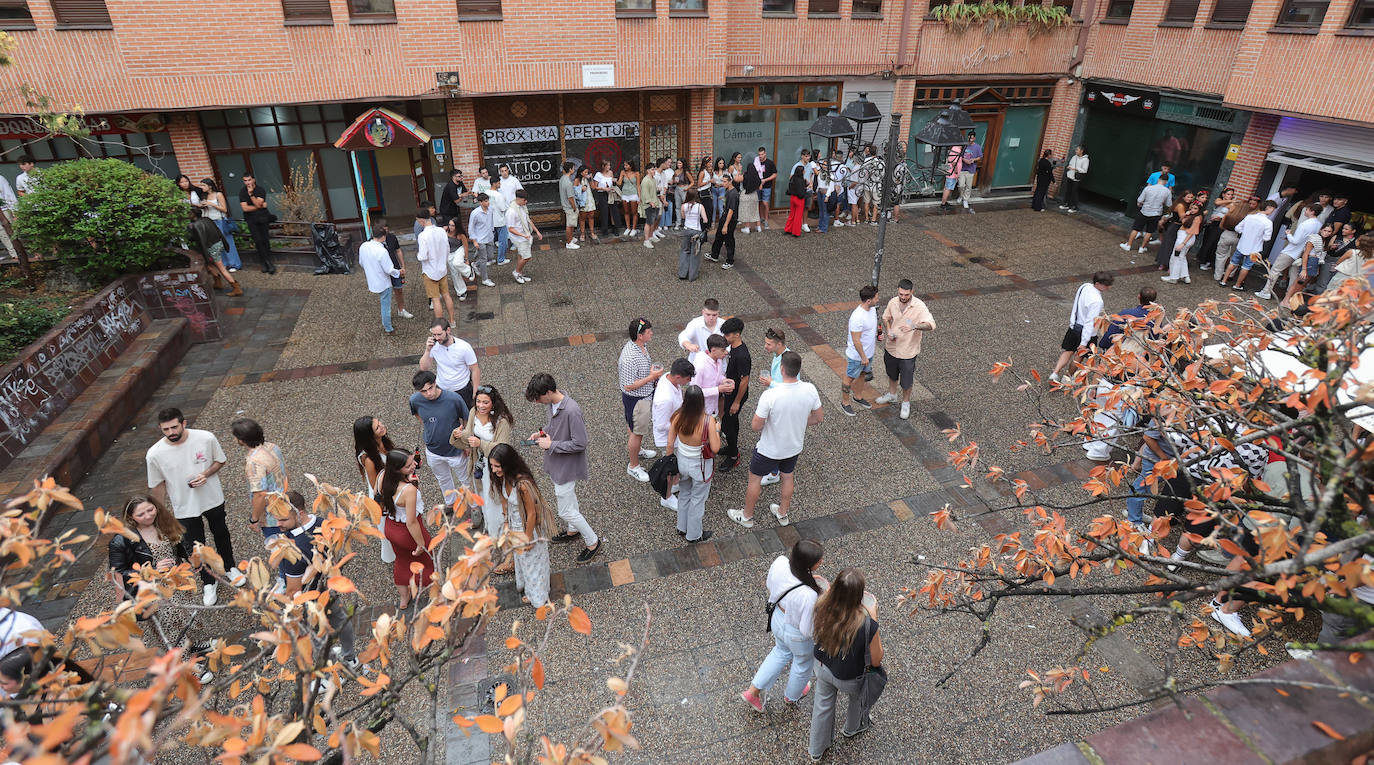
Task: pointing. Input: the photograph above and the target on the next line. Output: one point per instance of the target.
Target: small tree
(104, 216)
(300, 200)
(278, 694)
(1268, 416)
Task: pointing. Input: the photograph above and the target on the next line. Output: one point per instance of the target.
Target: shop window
(634, 8)
(88, 14)
(1231, 12)
(823, 7)
(779, 7)
(772, 95)
(867, 9)
(1302, 13)
(686, 7)
(1120, 9)
(1181, 11)
(479, 10)
(372, 10)
(306, 12)
(14, 14)
(734, 96)
(820, 93)
(273, 126)
(1362, 15)
(150, 151)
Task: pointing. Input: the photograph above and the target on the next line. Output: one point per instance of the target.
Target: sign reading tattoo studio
(534, 156)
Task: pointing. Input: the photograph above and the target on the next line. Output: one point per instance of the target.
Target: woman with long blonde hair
(845, 630)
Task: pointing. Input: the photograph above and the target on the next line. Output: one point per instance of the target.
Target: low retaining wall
(48, 375)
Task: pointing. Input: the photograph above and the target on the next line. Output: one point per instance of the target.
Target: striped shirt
(634, 366)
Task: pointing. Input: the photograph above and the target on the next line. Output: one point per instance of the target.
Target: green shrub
(105, 217)
(24, 320)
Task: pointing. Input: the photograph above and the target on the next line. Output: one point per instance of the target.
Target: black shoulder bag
(772, 605)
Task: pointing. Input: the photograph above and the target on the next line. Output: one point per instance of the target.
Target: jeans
(680, 198)
(451, 472)
(718, 200)
(480, 259)
(570, 512)
(1135, 506)
(669, 204)
(823, 205)
(789, 646)
(502, 244)
(827, 688)
(228, 226)
(219, 529)
(385, 297)
(1071, 193)
(688, 258)
(691, 503)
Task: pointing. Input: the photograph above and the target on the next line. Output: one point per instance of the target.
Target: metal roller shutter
(1339, 143)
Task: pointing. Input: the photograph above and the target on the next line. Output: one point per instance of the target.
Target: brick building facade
(267, 85)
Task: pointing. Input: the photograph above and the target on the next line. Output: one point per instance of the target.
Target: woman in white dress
(491, 423)
(526, 513)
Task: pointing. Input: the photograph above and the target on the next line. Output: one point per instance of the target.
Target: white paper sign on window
(598, 75)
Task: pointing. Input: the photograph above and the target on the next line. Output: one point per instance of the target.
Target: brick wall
(188, 142)
(464, 142)
(942, 52)
(1253, 149)
(1191, 58)
(701, 123)
(1060, 122)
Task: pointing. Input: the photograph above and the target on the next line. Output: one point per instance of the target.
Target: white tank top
(692, 219)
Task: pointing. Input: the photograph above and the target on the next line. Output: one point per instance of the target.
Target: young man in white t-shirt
(452, 360)
(183, 472)
(863, 339)
(693, 337)
(783, 414)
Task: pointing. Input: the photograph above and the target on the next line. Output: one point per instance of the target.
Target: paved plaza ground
(305, 355)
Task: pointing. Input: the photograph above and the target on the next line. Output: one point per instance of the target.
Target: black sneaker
(590, 552)
(712, 258)
(728, 465)
(847, 409)
(705, 535)
(860, 402)
(566, 536)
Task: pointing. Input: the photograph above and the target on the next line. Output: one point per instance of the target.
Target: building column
(463, 140)
(188, 143)
(701, 124)
(1253, 149)
(1064, 125)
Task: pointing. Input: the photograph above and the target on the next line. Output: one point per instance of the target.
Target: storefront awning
(1342, 168)
(380, 128)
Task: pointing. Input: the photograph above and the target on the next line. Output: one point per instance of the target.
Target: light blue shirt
(1154, 178)
(480, 228)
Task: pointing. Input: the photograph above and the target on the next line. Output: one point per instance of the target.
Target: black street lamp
(863, 113)
(946, 129)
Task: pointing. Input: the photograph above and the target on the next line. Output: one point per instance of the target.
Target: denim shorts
(765, 195)
(951, 183)
(397, 282)
(1240, 259)
(853, 369)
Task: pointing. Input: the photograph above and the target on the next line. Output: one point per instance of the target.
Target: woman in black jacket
(158, 544)
(1044, 175)
(796, 201)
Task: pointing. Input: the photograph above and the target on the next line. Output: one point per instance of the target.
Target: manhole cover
(489, 691)
(480, 316)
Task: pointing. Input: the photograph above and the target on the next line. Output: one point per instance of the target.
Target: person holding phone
(158, 545)
(564, 441)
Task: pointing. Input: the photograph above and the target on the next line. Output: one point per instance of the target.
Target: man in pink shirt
(956, 164)
(710, 375)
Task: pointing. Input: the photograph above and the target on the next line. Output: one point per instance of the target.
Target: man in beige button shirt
(905, 320)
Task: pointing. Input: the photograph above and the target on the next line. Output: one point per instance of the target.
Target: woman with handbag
(692, 235)
(849, 657)
(792, 593)
(526, 511)
(371, 444)
(491, 424)
(158, 546)
(1189, 227)
(217, 210)
(694, 437)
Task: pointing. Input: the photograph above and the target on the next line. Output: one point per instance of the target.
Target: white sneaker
(488, 283)
(521, 278)
(886, 398)
(783, 520)
(638, 473)
(769, 479)
(1054, 377)
(965, 201)
(906, 410)
(1154, 241)
(670, 503)
(838, 224)
(280, 587)
(236, 577)
(1125, 246)
(1266, 294)
(404, 314)
(1141, 250)
(1168, 280)
(210, 595)
(648, 244)
(572, 246)
(738, 517)
(1232, 622)
(744, 230)
(806, 228)
(648, 454)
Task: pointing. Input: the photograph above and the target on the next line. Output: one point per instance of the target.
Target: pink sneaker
(753, 701)
(805, 691)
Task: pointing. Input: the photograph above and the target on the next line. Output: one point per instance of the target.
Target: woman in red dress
(405, 525)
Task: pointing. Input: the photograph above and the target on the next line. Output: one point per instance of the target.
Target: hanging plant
(1001, 16)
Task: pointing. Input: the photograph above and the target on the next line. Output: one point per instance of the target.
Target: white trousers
(571, 512)
(451, 472)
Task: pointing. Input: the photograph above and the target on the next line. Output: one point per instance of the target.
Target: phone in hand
(529, 442)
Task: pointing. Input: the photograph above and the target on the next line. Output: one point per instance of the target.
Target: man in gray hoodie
(564, 441)
(1153, 201)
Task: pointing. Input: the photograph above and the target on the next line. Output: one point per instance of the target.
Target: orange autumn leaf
(580, 621)
(302, 752)
(341, 584)
(490, 724)
(1328, 730)
(537, 673)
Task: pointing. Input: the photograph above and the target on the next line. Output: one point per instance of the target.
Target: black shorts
(760, 465)
(902, 370)
(1147, 224)
(1072, 337)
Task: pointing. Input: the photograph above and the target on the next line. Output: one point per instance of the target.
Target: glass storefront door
(1019, 146)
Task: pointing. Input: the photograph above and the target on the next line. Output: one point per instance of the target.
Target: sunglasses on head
(485, 389)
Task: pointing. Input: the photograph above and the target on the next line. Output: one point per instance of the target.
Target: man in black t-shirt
(738, 366)
(304, 530)
(725, 227)
(253, 202)
(398, 283)
(453, 191)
